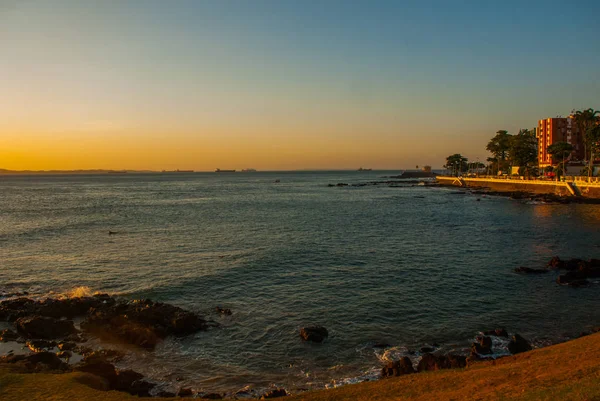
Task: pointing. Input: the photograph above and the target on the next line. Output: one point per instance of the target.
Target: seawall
(562, 188)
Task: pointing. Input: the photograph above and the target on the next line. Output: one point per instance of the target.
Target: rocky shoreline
(47, 329)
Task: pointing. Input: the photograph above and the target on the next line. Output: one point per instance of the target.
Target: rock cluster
(578, 270)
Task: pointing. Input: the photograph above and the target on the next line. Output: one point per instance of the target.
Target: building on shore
(553, 130)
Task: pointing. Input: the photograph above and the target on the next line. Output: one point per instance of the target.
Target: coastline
(565, 191)
(566, 371)
(59, 346)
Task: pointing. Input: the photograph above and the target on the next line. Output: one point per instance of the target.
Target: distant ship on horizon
(249, 170)
(179, 171)
(365, 169)
(224, 171)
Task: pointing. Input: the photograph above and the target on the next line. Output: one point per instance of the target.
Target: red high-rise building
(552, 130)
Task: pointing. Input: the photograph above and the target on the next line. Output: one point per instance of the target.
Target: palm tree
(592, 136)
(560, 150)
(585, 120)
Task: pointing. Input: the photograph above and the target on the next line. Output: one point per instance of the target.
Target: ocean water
(406, 266)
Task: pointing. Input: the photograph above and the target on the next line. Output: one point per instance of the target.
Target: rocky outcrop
(38, 362)
(127, 381)
(13, 309)
(518, 344)
(143, 323)
(316, 334)
(436, 362)
(398, 368)
(44, 327)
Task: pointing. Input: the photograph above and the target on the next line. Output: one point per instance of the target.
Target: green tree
(523, 150)
(560, 150)
(499, 146)
(586, 120)
(456, 163)
(592, 138)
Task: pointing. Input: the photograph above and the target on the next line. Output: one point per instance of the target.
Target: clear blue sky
(284, 84)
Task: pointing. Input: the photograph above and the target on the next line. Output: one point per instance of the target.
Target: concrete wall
(532, 186)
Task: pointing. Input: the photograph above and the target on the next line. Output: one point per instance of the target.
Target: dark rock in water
(496, 332)
(381, 345)
(212, 396)
(41, 361)
(64, 354)
(314, 333)
(555, 263)
(518, 344)
(426, 349)
(398, 368)
(143, 322)
(223, 311)
(572, 278)
(102, 369)
(579, 283)
(529, 270)
(13, 309)
(341, 184)
(40, 345)
(185, 392)
(274, 394)
(44, 327)
(483, 346)
(8, 335)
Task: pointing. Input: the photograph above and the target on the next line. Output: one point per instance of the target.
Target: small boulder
(185, 392)
(274, 394)
(398, 368)
(44, 327)
(315, 334)
(428, 362)
(8, 335)
(483, 346)
(67, 346)
(518, 344)
(102, 369)
(64, 354)
(212, 396)
(40, 345)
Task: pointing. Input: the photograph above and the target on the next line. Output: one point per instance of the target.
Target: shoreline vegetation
(57, 350)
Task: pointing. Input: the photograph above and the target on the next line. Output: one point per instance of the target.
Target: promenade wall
(581, 187)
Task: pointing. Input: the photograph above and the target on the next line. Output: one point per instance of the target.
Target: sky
(284, 85)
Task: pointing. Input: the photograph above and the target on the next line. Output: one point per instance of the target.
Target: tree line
(521, 150)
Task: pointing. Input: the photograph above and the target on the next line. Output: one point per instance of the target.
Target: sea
(386, 269)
